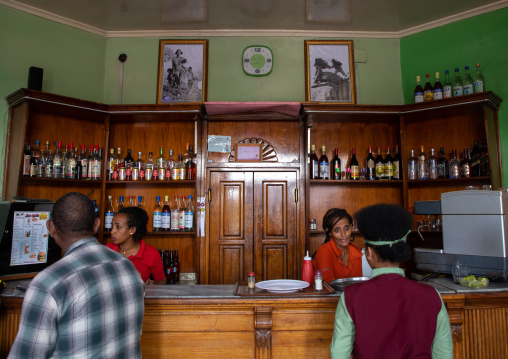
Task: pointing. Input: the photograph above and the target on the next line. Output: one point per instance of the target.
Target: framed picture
(178, 11)
(183, 71)
(328, 11)
(248, 152)
(329, 71)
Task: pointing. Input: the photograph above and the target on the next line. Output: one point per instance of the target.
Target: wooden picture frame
(248, 152)
(183, 71)
(329, 71)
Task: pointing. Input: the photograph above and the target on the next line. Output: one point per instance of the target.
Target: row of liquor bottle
(379, 168)
(171, 264)
(456, 88)
(472, 164)
(162, 168)
(177, 216)
(71, 164)
(421, 167)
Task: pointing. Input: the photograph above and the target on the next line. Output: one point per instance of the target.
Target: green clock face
(257, 60)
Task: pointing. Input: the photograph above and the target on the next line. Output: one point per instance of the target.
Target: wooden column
(263, 327)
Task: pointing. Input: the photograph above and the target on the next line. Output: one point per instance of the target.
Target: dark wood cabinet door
(253, 222)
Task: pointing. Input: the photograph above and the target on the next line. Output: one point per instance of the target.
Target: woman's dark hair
(136, 217)
(330, 219)
(386, 222)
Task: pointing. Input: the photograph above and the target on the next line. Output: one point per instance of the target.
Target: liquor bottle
(475, 160)
(185, 156)
(379, 165)
(388, 166)
(428, 91)
(140, 202)
(175, 208)
(170, 274)
(484, 159)
(454, 165)
(176, 262)
(371, 165)
(180, 166)
(120, 204)
(313, 164)
(65, 162)
(432, 165)
(41, 161)
(165, 264)
(128, 163)
(468, 83)
(84, 162)
(324, 165)
(479, 81)
(26, 158)
(181, 214)
(33, 165)
(443, 166)
(423, 165)
(161, 166)
(96, 207)
(149, 167)
(48, 169)
(131, 201)
(190, 166)
(397, 164)
(170, 166)
(96, 164)
(335, 168)
(138, 169)
(166, 215)
(79, 169)
(465, 164)
(111, 165)
(119, 158)
(57, 161)
(438, 88)
(354, 167)
(418, 91)
(448, 87)
(189, 215)
(108, 215)
(412, 167)
(157, 215)
(457, 84)
(71, 162)
(90, 160)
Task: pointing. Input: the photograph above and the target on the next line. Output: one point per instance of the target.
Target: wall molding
(254, 32)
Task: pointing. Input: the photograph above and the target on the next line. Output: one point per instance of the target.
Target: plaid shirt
(89, 304)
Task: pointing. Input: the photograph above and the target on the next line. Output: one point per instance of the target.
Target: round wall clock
(257, 60)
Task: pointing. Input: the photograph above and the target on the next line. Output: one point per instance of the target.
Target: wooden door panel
(231, 232)
(274, 262)
(275, 218)
(231, 263)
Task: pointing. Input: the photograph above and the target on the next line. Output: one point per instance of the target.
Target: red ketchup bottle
(308, 270)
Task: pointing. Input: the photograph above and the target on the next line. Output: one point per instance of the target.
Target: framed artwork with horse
(183, 71)
(329, 71)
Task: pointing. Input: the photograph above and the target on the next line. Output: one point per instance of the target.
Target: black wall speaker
(35, 78)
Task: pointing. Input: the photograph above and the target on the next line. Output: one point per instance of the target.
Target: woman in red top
(337, 257)
(129, 226)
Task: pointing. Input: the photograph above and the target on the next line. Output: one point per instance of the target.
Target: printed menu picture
(29, 238)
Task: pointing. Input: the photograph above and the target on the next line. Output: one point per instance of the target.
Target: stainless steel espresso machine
(474, 225)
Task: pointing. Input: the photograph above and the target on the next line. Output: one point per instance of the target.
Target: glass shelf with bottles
(151, 183)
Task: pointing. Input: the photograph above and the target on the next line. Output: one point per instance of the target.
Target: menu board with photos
(29, 238)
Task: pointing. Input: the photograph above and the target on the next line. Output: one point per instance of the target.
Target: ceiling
(255, 17)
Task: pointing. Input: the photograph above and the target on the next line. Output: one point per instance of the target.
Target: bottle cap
(427, 75)
(456, 69)
(417, 78)
(437, 75)
(307, 257)
(318, 272)
(190, 196)
(252, 274)
(140, 198)
(478, 64)
(467, 67)
(121, 198)
(447, 72)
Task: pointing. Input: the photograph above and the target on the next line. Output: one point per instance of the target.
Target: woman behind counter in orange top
(337, 257)
(129, 226)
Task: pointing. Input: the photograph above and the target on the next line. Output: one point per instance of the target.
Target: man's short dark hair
(74, 214)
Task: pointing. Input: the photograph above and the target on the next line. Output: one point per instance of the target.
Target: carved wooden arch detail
(268, 153)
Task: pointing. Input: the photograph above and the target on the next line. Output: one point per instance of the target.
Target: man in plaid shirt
(89, 304)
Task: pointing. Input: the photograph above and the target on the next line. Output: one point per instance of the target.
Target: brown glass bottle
(428, 90)
(177, 265)
(165, 262)
(171, 269)
(335, 167)
(465, 165)
(314, 164)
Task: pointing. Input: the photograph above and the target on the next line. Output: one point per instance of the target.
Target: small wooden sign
(248, 152)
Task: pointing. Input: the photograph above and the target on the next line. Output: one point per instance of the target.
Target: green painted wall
(73, 61)
(378, 76)
(479, 39)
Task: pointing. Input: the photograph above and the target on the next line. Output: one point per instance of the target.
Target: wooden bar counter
(210, 321)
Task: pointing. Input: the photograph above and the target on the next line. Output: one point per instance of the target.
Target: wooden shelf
(450, 181)
(355, 182)
(58, 181)
(153, 183)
